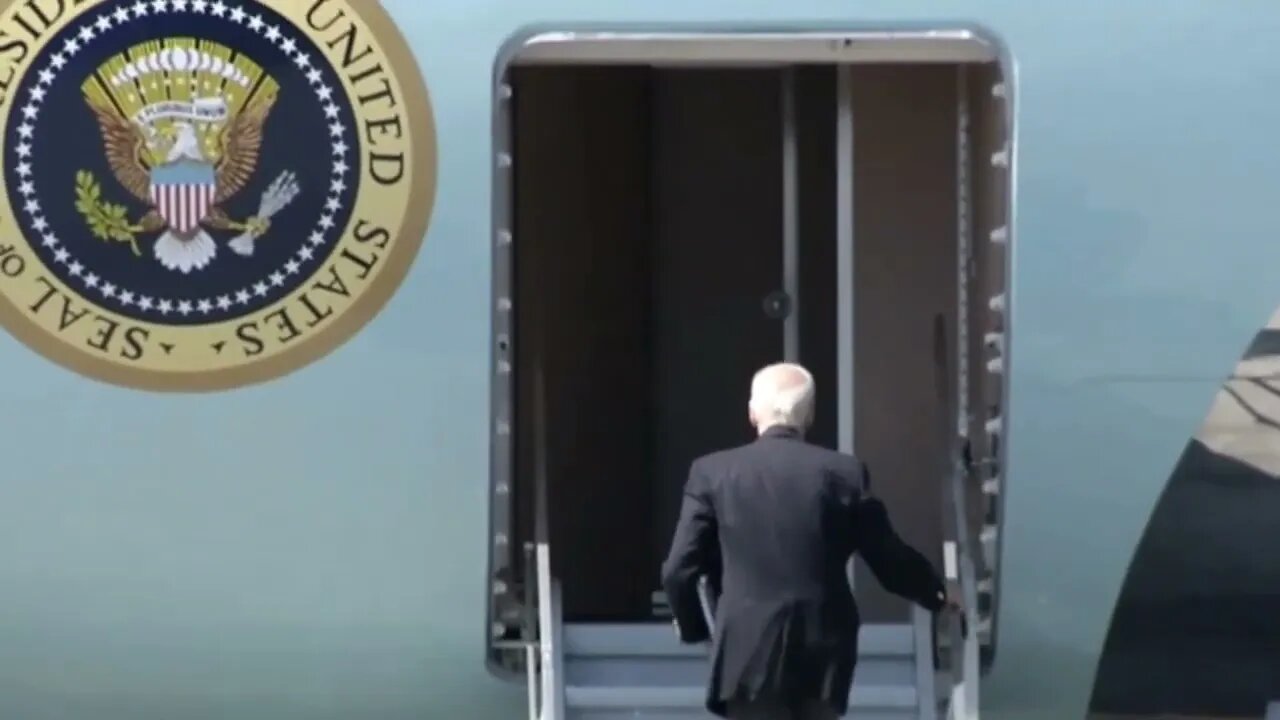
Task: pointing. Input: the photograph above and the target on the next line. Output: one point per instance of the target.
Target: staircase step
(682, 670)
(649, 639)
(658, 671)
(650, 655)
(641, 671)
(866, 701)
(636, 714)
(863, 697)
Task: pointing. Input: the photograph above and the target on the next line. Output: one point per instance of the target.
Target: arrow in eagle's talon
(258, 226)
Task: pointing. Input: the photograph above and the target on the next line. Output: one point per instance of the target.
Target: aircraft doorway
(666, 229)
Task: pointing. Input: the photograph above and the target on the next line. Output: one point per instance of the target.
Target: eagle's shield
(183, 192)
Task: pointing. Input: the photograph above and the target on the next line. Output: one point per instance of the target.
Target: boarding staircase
(611, 672)
(594, 671)
(925, 669)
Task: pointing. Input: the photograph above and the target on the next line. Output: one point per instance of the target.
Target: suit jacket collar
(781, 431)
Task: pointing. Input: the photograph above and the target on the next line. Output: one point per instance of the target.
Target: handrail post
(972, 657)
(962, 584)
(551, 684)
(927, 700)
(531, 630)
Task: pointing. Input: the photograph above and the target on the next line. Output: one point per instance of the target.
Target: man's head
(781, 394)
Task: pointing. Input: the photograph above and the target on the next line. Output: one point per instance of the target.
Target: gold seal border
(405, 248)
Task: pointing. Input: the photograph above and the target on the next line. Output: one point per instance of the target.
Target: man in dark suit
(772, 525)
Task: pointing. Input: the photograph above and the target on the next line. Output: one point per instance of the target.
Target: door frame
(688, 45)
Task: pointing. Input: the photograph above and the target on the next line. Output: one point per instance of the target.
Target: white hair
(782, 394)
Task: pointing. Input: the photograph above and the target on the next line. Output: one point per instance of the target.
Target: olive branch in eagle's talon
(109, 221)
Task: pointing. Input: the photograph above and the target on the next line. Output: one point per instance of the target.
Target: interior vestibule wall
(904, 276)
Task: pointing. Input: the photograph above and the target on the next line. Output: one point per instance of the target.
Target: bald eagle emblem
(182, 128)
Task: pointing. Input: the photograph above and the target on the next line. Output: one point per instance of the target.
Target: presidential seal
(202, 194)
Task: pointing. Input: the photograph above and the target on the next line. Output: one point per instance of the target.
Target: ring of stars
(263, 288)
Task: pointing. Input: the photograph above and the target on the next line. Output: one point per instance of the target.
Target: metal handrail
(958, 546)
(962, 584)
(546, 696)
(531, 631)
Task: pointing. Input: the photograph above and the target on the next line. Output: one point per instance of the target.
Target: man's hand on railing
(953, 605)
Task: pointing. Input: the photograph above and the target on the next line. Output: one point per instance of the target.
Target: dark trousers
(774, 710)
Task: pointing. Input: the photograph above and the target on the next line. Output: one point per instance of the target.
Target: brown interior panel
(905, 275)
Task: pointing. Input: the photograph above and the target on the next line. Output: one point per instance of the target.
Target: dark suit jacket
(773, 525)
